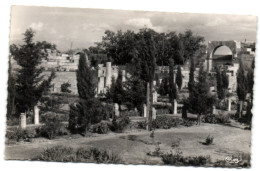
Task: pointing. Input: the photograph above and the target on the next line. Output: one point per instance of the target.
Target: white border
(242, 7)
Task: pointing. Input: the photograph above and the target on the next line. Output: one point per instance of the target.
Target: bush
(67, 154)
(65, 87)
(222, 119)
(178, 160)
(12, 121)
(209, 140)
(51, 128)
(165, 122)
(130, 113)
(141, 124)
(16, 134)
(119, 124)
(51, 103)
(100, 128)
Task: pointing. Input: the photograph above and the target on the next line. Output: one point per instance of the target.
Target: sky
(81, 27)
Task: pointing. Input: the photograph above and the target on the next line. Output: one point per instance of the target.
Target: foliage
(191, 82)
(84, 113)
(51, 103)
(179, 160)
(141, 124)
(222, 119)
(222, 83)
(65, 87)
(179, 77)
(30, 84)
(11, 93)
(100, 128)
(130, 113)
(116, 92)
(241, 82)
(165, 122)
(68, 154)
(163, 89)
(119, 124)
(208, 140)
(172, 86)
(18, 134)
(51, 128)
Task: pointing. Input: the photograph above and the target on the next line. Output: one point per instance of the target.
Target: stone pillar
(23, 121)
(108, 74)
(154, 83)
(213, 110)
(153, 113)
(100, 88)
(175, 107)
(36, 115)
(160, 81)
(116, 108)
(145, 110)
(209, 65)
(229, 105)
(123, 75)
(154, 97)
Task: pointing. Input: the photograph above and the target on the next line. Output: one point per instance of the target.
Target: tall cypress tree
(241, 87)
(88, 109)
(191, 82)
(30, 84)
(179, 77)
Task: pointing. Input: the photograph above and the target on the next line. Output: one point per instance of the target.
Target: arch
(214, 45)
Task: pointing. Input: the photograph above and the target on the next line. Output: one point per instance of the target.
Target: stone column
(153, 113)
(229, 105)
(145, 110)
(213, 110)
(116, 108)
(154, 83)
(123, 75)
(175, 107)
(36, 115)
(154, 97)
(108, 74)
(23, 121)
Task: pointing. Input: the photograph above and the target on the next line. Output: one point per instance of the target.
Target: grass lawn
(134, 146)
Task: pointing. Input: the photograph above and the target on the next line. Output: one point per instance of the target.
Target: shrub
(119, 124)
(179, 160)
(130, 113)
(51, 128)
(209, 140)
(51, 103)
(12, 121)
(67, 154)
(100, 128)
(16, 134)
(141, 124)
(216, 119)
(65, 87)
(165, 122)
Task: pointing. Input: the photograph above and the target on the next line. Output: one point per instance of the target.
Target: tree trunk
(241, 103)
(198, 119)
(148, 106)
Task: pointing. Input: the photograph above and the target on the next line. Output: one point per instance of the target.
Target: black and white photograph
(131, 87)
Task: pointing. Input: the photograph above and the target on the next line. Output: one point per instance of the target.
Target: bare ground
(133, 149)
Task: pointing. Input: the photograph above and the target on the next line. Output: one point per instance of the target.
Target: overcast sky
(83, 27)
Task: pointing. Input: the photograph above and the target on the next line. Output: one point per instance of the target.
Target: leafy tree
(30, 84)
(88, 110)
(179, 77)
(242, 87)
(200, 101)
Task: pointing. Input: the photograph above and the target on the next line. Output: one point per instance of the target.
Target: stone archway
(214, 45)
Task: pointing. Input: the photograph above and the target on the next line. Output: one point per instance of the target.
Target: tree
(164, 86)
(172, 84)
(116, 92)
(200, 101)
(11, 92)
(88, 110)
(242, 87)
(179, 77)
(191, 82)
(30, 83)
(222, 83)
(65, 87)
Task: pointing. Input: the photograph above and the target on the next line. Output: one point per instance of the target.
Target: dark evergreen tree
(164, 86)
(179, 77)
(242, 87)
(30, 84)
(220, 86)
(88, 110)
(11, 93)
(191, 82)
(201, 102)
